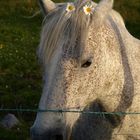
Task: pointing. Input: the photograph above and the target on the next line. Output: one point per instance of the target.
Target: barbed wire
(69, 111)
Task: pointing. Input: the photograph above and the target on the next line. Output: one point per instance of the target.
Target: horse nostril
(46, 135)
(58, 137)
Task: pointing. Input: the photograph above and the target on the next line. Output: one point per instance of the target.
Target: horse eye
(86, 64)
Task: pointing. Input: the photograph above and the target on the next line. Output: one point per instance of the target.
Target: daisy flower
(88, 9)
(70, 7)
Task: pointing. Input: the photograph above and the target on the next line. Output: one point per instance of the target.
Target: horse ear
(103, 9)
(47, 6)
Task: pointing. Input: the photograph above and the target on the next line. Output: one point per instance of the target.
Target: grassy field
(20, 76)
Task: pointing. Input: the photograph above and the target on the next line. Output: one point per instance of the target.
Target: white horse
(92, 63)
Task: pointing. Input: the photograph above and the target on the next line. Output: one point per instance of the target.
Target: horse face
(85, 66)
(72, 83)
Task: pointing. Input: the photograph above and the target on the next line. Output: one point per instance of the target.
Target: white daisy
(70, 7)
(88, 9)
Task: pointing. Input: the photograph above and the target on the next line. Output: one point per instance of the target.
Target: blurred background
(20, 73)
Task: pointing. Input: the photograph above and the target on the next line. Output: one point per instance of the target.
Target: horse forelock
(63, 29)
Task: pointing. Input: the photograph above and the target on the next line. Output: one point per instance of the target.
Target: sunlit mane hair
(63, 29)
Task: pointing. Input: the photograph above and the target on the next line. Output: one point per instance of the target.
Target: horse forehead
(94, 39)
(105, 31)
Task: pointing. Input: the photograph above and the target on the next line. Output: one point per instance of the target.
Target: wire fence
(69, 111)
(76, 111)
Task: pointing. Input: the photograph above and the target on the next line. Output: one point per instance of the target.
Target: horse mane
(63, 29)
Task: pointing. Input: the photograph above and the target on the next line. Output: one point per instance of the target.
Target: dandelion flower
(70, 7)
(88, 9)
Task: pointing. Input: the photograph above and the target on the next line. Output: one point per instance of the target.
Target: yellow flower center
(70, 7)
(88, 9)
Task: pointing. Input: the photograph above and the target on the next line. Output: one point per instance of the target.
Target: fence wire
(69, 111)
(75, 111)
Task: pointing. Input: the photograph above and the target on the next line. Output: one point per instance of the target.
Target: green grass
(19, 73)
(20, 76)
(19, 132)
(130, 11)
